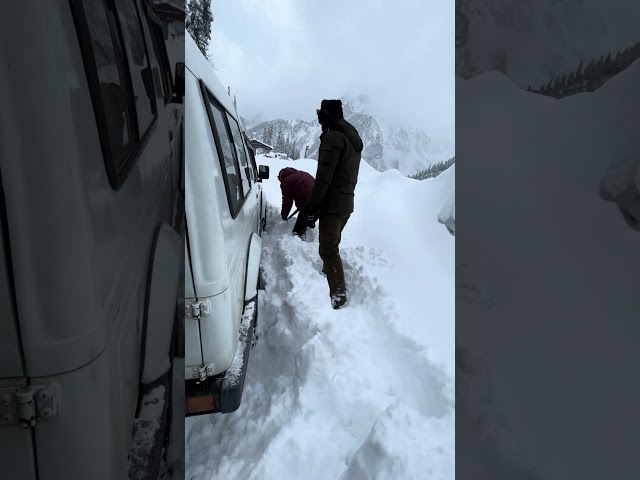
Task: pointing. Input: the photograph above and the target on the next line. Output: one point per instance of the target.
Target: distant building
(260, 147)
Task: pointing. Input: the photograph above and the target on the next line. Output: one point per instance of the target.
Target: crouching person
(296, 187)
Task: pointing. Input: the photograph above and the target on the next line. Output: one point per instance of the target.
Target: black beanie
(333, 108)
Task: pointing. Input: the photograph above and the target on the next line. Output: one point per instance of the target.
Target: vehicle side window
(252, 160)
(114, 58)
(231, 170)
(138, 62)
(162, 71)
(241, 154)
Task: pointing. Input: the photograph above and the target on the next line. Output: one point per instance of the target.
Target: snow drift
(365, 392)
(534, 167)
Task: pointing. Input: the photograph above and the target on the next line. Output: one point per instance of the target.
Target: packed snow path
(351, 394)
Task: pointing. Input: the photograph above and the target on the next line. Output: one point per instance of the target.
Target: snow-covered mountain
(387, 145)
(532, 41)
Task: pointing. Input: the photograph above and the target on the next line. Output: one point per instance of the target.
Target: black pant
(331, 227)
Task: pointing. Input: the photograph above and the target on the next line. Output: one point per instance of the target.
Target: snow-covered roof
(258, 144)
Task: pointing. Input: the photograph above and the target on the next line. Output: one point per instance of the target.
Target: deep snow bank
(365, 392)
(532, 172)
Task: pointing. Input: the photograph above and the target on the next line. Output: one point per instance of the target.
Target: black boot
(338, 301)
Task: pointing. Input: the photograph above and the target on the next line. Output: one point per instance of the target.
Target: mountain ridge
(386, 145)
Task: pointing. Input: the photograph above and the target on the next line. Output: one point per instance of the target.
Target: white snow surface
(365, 392)
(553, 155)
(447, 214)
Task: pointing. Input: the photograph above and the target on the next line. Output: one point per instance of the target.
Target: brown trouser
(330, 227)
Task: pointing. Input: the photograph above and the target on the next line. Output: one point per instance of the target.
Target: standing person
(296, 186)
(333, 192)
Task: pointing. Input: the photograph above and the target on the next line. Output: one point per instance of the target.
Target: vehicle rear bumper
(223, 393)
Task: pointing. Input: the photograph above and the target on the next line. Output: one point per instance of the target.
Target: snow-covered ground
(365, 392)
(532, 172)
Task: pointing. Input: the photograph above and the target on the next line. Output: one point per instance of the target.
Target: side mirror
(263, 172)
(178, 84)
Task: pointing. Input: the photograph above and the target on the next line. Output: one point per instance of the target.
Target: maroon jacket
(296, 187)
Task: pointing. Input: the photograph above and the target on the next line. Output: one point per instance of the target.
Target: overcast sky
(282, 57)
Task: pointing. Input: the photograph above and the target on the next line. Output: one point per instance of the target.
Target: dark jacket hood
(341, 125)
(285, 172)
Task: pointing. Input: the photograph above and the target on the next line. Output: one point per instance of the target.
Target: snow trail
(344, 394)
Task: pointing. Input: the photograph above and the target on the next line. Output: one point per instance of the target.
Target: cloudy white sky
(282, 57)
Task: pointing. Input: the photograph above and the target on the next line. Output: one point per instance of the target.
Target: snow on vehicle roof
(196, 62)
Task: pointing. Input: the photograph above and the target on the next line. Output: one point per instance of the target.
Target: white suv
(225, 213)
(91, 240)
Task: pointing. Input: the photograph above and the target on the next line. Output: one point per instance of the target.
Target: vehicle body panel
(218, 239)
(80, 249)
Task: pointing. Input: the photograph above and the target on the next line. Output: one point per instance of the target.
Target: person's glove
(312, 215)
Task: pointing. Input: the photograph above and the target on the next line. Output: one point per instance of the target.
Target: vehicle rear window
(162, 72)
(117, 67)
(138, 62)
(109, 62)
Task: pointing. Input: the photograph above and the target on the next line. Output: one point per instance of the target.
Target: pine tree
(198, 23)
(433, 170)
(607, 67)
(235, 103)
(618, 59)
(588, 71)
(579, 70)
(271, 133)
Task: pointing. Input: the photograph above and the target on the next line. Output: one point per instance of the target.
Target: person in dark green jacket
(332, 197)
